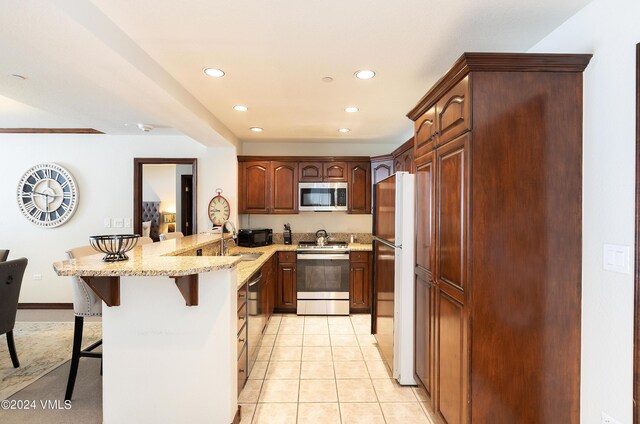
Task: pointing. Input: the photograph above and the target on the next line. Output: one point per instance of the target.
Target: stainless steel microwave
(322, 197)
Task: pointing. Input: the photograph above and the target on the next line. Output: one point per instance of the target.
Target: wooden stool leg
(75, 356)
(12, 349)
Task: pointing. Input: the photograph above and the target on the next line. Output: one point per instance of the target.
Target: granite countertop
(152, 260)
(162, 258)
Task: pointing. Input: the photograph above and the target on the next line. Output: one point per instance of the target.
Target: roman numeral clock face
(219, 210)
(47, 195)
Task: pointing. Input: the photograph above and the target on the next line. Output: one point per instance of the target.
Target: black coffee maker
(287, 234)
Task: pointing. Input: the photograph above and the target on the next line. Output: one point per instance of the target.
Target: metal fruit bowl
(114, 246)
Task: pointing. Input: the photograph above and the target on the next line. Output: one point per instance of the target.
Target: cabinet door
(255, 187)
(454, 112)
(407, 161)
(286, 291)
(398, 164)
(335, 172)
(452, 162)
(381, 169)
(425, 132)
(423, 327)
(360, 286)
(359, 191)
(425, 185)
(310, 171)
(284, 187)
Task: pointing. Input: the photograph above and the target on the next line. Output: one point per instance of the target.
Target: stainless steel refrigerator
(393, 263)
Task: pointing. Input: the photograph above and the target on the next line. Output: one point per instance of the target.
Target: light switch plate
(107, 223)
(127, 222)
(606, 419)
(118, 222)
(615, 258)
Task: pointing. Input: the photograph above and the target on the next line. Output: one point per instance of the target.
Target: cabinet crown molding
(499, 62)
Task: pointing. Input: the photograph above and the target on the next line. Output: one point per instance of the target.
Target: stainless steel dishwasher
(256, 317)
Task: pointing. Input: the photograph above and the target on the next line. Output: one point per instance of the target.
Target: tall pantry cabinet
(498, 162)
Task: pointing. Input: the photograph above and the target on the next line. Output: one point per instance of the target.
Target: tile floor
(325, 370)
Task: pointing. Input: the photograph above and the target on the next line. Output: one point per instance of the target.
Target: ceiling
(111, 64)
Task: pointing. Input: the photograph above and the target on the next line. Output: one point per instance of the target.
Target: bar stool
(85, 304)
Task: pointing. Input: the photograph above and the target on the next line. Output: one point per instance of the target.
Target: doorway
(159, 198)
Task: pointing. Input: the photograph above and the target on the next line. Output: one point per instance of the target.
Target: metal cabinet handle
(241, 340)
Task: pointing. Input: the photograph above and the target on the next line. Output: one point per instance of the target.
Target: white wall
(103, 168)
(609, 30)
(159, 185)
(310, 222)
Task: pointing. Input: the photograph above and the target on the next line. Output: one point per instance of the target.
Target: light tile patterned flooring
(325, 370)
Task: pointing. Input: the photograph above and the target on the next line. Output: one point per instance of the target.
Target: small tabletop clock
(219, 210)
(47, 195)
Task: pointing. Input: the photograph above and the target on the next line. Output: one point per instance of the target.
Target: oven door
(323, 276)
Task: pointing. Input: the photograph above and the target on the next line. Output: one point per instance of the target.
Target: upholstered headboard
(151, 212)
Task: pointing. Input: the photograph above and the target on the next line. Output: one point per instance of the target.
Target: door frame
(137, 186)
(636, 259)
(183, 179)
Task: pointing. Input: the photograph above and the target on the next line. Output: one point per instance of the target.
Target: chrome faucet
(224, 245)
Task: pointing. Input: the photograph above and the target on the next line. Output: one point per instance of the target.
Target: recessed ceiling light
(344, 130)
(214, 72)
(256, 129)
(351, 109)
(240, 108)
(365, 74)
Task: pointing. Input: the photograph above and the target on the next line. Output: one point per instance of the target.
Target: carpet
(41, 347)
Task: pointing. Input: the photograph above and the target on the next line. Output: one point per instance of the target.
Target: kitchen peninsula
(169, 331)
(171, 325)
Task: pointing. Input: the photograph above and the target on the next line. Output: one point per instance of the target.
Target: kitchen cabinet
(498, 238)
(243, 365)
(311, 172)
(359, 192)
(255, 180)
(360, 282)
(269, 185)
(335, 172)
(381, 168)
(286, 290)
(403, 157)
(284, 177)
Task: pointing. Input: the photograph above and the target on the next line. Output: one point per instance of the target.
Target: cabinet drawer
(359, 257)
(242, 296)
(242, 341)
(287, 257)
(242, 317)
(454, 112)
(242, 370)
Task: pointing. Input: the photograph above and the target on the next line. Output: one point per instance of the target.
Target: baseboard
(45, 305)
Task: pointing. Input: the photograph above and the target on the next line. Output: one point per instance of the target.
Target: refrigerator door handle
(385, 242)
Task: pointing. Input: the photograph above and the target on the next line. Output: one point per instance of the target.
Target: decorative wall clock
(219, 209)
(47, 195)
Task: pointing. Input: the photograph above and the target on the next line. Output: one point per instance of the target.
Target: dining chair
(85, 304)
(11, 273)
(170, 236)
(4, 254)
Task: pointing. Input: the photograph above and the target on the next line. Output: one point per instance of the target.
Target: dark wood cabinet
(286, 294)
(359, 192)
(311, 172)
(255, 180)
(498, 239)
(269, 185)
(284, 185)
(336, 172)
(381, 168)
(360, 282)
(403, 157)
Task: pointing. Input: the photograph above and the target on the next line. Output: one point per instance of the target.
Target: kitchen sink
(246, 257)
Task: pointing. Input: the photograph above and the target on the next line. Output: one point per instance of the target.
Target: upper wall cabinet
(381, 168)
(269, 185)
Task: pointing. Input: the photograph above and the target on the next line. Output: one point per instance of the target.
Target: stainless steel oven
(323, 282)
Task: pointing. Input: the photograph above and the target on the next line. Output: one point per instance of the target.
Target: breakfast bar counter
(169, 326)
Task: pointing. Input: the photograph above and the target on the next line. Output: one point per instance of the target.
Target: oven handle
(324, 256)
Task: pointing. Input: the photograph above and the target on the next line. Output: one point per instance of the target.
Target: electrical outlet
(606, 419)
(616, 258)
(37, 276)
(118, 222)
(107, 223)
(127, 222)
